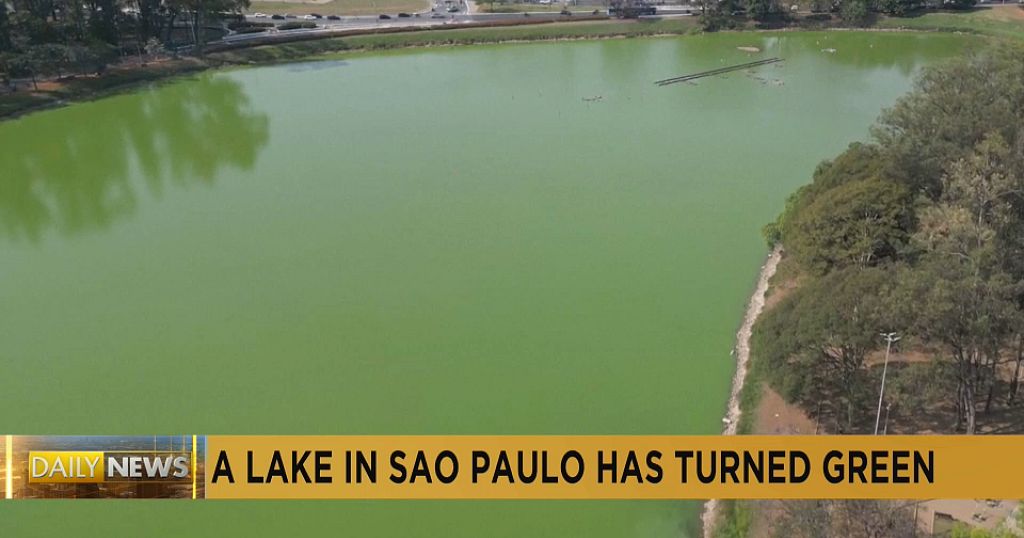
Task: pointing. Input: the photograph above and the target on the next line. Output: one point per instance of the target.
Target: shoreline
(742, 353)
(311, 50)
(164, 70)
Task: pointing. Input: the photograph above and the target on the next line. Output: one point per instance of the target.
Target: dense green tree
(858, 223)
(32, 30)
(984, 183)
(5, 28)
(103, 19)
(200, 12)
(914, 386)
(8, 67)
(821, 6)
(975, 318)
(92, 57)
(151, 19)
(717, 15)
(27, 65)
(953, 108)
(815, 342)
(854, 12)
(895, 7)
(50, 59)
(972, 301)
(760, 10)
(858, 162)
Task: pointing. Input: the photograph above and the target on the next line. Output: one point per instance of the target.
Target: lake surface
(491, 240)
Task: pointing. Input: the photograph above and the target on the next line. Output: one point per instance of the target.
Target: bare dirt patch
(775, 416)
(1007, 13)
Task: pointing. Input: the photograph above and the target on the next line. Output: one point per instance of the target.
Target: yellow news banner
(613, 467)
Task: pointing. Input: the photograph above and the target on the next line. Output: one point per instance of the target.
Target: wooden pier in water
(719, 71)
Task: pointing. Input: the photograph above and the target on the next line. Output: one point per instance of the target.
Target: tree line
(54, 37)
(718, 14)
(920, 232)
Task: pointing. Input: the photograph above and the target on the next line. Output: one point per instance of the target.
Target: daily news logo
(76, 467)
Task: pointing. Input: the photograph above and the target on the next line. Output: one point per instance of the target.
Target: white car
(260, 15)
(309, 17)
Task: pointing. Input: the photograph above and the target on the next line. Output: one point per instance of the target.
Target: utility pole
(890, 338)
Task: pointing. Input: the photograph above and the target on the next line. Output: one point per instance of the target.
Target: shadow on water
(318, 65)
(79, 169)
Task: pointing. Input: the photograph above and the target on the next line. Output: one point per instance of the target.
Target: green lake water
(450, 241)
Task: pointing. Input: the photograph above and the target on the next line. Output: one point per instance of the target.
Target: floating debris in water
(830, 51)
(766, 81)
(749, 49)
(594, 98)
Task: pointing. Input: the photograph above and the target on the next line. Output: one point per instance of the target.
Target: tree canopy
(920, 231)
(858, 223)
(50, 37)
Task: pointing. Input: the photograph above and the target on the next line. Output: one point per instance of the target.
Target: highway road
(442, 13)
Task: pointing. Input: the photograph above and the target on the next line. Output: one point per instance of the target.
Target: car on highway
(308, 18)
(260, 15)
(317, 15)
(453, 9)
(333, 18)
(437, 16)
(384, 17)
(404, 15)
(277, 17)
(289, 16)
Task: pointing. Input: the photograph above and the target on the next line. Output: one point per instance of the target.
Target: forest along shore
(742, 354)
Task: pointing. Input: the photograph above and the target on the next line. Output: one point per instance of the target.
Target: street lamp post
(889, 339)
(885, 425)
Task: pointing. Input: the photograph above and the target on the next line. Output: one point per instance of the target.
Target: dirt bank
(742, 354)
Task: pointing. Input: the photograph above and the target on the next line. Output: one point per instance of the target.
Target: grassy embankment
(1001, 21)
(516, 7)
(460, 36)
(341, 7)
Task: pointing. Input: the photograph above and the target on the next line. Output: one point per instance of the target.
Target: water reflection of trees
(80, 168)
